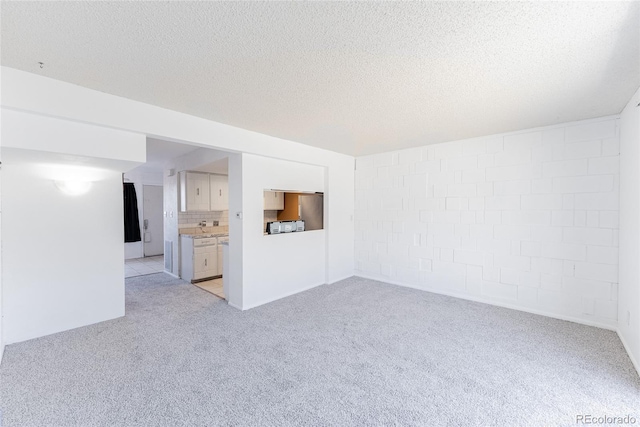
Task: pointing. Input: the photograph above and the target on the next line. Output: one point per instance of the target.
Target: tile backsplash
(188, 222)
(193, 219)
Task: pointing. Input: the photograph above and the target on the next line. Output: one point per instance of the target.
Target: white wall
(527, 220)
(629, 288)
(276, 266)
(48, 134)
(30, 92)
(170, 200)
(62, 255)
(48, 97)
(1, 311)
(235, 277)
(140, 179)
(258, 279)
(339, 218)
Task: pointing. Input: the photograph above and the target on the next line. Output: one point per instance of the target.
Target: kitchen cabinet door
(202, 192)
(279, 200)
(273, 200)
(212, 262)
(199, 265)
(194, 191)
(205, 264)
(219, 185)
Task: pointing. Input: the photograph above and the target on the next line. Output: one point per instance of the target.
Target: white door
(153, 236)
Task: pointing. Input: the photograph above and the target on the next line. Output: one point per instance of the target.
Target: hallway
(142, 266)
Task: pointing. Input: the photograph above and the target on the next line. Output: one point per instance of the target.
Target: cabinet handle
(220, 193)
(197, 191)
(205, 262)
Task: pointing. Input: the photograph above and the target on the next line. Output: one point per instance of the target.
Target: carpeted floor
(356, 353)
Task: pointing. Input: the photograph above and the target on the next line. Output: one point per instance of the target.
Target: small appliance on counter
(277, 227)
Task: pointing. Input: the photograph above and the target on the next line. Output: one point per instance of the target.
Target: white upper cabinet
(219, 185)
(194, 191)
(273, 200)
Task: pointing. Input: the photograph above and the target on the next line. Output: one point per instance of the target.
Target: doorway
(153, 226)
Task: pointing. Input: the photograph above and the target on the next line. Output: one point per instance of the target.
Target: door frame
(144, 254)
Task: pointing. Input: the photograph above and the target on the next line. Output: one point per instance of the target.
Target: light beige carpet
(357, 352)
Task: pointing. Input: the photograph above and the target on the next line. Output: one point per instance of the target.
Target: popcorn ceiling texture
(354, 77)
(527, 220)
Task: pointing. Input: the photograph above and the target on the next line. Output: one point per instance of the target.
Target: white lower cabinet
(205, 262)
(199, 258)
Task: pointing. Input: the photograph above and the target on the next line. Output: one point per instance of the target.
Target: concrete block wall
(527, 220)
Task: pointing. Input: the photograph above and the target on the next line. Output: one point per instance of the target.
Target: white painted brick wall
(528, 220)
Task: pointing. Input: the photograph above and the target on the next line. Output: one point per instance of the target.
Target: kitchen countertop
(205, 235)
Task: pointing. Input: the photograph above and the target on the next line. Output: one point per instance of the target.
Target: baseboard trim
(270, 300)
(288, 294)
(234, 306)
(339, 279)
(171, 274)
(490, 302)
(205, 279)
(634, 362)
(20, 339)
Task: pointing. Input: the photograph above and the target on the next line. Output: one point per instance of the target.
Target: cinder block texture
(528, 219)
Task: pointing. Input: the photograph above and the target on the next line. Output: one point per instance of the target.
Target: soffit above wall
(50, 164)
(160, 152)
(353, 77)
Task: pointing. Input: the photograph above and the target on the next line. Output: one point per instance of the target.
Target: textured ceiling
(353, 77)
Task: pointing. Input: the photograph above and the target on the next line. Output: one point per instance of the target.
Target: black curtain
(131, 219)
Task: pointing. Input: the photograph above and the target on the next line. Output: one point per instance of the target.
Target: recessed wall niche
(288, 211)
